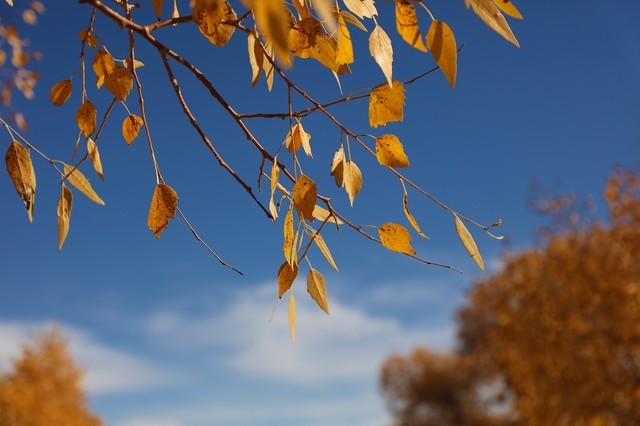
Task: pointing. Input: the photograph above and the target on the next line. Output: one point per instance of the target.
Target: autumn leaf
(442, 44)
(289, 240)
(103, 65)
(296, 138)
(386, 104)
(157, 6)
(286, 275)
(344, 51)
(324, 249)
(468, 242)
(64, 214)
(136, 63)
(275, 175)
(410, 218)
(209, 20)
(382, 51)
(407, 24)
(131, 128)
(88, 38)
(352, 180)
(164, 204)
(81, 183)
(20, 169)
(267, 66)
(361, 8)
(318, 289)
(337, 166)
(94, 155)
(86, 118)
(390, 152)
(490, 15)
(323, 214)
(256, 57)
(292, 317)
(304, 197)
(272, 18)
(60, 92)
(509, 8)
(119, 82)
(396, 238)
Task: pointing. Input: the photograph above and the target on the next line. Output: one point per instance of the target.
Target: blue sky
(170, 338)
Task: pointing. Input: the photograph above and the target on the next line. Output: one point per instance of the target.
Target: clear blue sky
(170, 338)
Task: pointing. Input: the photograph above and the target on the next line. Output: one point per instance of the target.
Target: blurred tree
(44, 387)
(552, 339)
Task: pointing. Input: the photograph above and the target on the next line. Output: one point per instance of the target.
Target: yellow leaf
(94, 155)
(64, 214)
(468, 242)
(302, 37)
(490, 15)
(324, 249)
(344, 52)
(407, 24)
(292, 317)
(136, 63)
(381, 50)
(350, 19)
(20, 169)
(164, 204)
(289, 244)
(396, 238)
(272, 18)
(361, 8)
(208, 16)
(131, 128)
(410, 218)
(119, 82)
(318, 289)
(275, 175)
(81, 183)
(103, 65)
(324, 51)
(88, 38)
(509, 8)
(86, 118)
(267, 66)
(304, 197)
(296, 138)
(386, 104)
(286, 275)
(337, 167)
(390, 152)
(323, 10)
(323, 215)
(10, 2)
(157, 6)
(60, 92)
(352, 180)
(442, 44)
(256, 57)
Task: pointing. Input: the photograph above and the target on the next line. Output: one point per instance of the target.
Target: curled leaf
(64, 214)
(256, 57)
(94, 155)
(386, 104)
(289, 240)
(396, 238)
(60, 92)
(468, 242)
(292, 317)
(352, 180)
(297, 138)
(318, 289)
(324, 249)
(164, 204)
(20, 169)
(337, 166)
(410, 218)
(390, 152)
(81, 183)
(275, 175)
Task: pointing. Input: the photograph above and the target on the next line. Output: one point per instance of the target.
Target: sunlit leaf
(410, 218)
(86, 118)
(286, 276)
(60, 92)
(318, 289)
(103, 65)
(323, 214)
(509, 8)
(164, 204)
(361, 8)
(256, 57)
(208, 16)
(136, 63)
(275, 175)
(292, 317)
(396, 238)
(272, 18)
(119, 82)
(324, 249)
(442, 45)
(296, 138)
(81, 183)
(64, 214)
(289, 241)
(386, 104)
(94, 155)
(267, 65)
(20, 169)
(468, 242)
(344, 51)
(337, 166)
(407, 24)
(304, 197)
(390, 152)
(490, 15)
(302, 37)
(131, 128)
(382, 51)
(352, 180)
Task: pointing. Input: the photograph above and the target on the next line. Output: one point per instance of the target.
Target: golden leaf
(256, 57)
(289, 244)
(410, 218)
(286, 275)
(361, 8)
(296, 138)
(396, 238)
(324, 51)
(509, 8)
(86, 118)
(136, 63)
(157, 6)
(10, 2)
(275, 175)
(20, 169)
(267, 66)
(344, 52)
(318, 289)
(272, 18)
(64, 214)
(468, 242)
(81, 183)
(302, 37)
(131, 128)
(352, 180)
(390, 153)
(324, 249)
(407, 24)
(350, 19)
(88, 38)
(490, 15)
(442, 44)
(164, 204)
(323, 215)
(60, 92)
(386, 104)
(209, 17)
(94, 155)
(337, 166)
(382, 51)
(119, 82)
(304, 197)
(103, 65)
(292, 317)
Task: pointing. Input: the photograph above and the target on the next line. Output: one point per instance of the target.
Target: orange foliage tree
(551, 339)
(44, 387)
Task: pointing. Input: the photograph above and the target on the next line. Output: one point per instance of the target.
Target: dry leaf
(267, 66)
(442, 44)
(81, 183)
(163, 208)
(94, 155)
(396, 238)
(292, 317)
(304, 197)
(468, 242)
(272, 19)
(509, 8)
(256, 57)
(337, 166)
(324, 249)
(390, 153)
(286, 275)
(157, 6)
(352, 180)
(386, 104)
(361, 8)
(381, 50)
(318, 289)
(127, 63)
(323, 215)
(60, 92)
(289, 244)
(64, 214)
(209, 22)
(344, 51)
(407, 24)
(119, 82)
(86, 118)
(131, 128)
(275, 175)
(490, 15)
(410, 218)
(302, 37)
(88, 38)
(103, 65)
(20, 169)
(296, 138)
